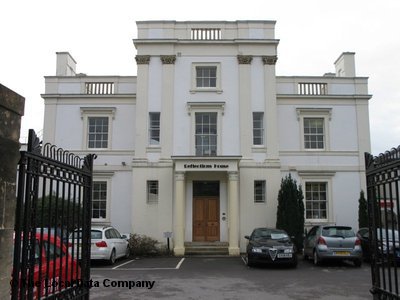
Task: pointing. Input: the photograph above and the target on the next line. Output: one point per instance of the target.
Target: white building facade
(197, 143)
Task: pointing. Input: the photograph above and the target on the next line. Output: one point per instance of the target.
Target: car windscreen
(269, 234)
(338, 231)
(94, 234)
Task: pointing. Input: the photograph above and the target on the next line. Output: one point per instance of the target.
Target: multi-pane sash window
(258, 128)
(314, 133)
(206, 134)
(99, 200)
(316, 200)
(98, 132)
(152, 191)
(154, 128)
(259, 191)
(206, 76)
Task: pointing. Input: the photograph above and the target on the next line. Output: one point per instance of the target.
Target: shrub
(142, 245)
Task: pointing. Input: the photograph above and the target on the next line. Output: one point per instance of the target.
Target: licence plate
(342, 253)
(285, 255)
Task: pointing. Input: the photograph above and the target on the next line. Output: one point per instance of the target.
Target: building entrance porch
(206, 202)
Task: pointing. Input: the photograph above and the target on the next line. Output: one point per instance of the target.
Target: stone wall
(11, 110)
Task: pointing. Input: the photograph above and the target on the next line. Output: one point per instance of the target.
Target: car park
(270, 246)
(388, 243)
(106, 243)
(331, 242)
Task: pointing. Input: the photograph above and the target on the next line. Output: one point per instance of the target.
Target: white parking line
(180, 263)
(244, 260)
(142, 269)
(123, 264)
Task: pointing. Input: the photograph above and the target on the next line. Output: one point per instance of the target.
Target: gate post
(11, 111)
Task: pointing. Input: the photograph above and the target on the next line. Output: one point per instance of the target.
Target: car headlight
(256, 250)
(288, 250)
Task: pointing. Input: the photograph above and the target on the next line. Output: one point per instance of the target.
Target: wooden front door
(205, 218)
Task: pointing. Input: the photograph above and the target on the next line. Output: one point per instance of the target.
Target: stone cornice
(269, 60)
(142, 59)
(168, 59)
(244, 59)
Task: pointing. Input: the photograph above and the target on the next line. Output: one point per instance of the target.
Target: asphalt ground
(227, 278)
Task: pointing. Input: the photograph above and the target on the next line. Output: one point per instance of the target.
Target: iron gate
(383, 184)
(52, 224)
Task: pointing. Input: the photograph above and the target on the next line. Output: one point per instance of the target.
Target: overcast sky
(98, 34)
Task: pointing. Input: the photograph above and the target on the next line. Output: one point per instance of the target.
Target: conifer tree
(362, 211)
(290, 213)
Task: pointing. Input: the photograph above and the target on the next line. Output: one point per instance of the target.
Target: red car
(54, 263)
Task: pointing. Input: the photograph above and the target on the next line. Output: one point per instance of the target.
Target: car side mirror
(247, 237)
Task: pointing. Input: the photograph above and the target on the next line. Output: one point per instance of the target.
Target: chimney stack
(66, 64)
(345, 65)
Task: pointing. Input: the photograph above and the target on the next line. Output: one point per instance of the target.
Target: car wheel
(358, 263)
(316, 259)
(128, 252)
(113, 257)
(250, 262)
(294, 264)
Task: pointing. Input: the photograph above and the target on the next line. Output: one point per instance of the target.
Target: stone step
(206, 248)
(216, 244)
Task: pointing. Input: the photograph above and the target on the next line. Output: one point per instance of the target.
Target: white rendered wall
(342, 129)
(253, 215)
(152, 219)
(69, 120)
(182, 121)
(121, 201)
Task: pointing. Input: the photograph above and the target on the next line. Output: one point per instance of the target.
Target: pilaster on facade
(272, 141)
(167, 104)
(244, 59)
(141, 137)
(270, 59)
(244, 107)
(142, 59)
(168, 59)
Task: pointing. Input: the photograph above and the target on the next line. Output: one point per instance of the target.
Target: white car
(106, 243)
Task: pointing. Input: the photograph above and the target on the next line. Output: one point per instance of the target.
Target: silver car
(327, 242)
(106, 243)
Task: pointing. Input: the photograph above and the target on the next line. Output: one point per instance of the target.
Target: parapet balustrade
(99, 88)
(312, 88)
(205, 34)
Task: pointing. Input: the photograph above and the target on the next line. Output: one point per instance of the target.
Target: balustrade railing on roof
(99, 88)
(205, 34)
(312, 88)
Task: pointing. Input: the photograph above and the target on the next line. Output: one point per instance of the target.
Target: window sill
(258, 149)
(153, 149)
(315, 221)
(98, 149)
(315, 150)
(201, 90)
(101, 221)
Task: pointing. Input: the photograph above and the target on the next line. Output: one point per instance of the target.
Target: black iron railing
(383, 183)
(53, 201)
